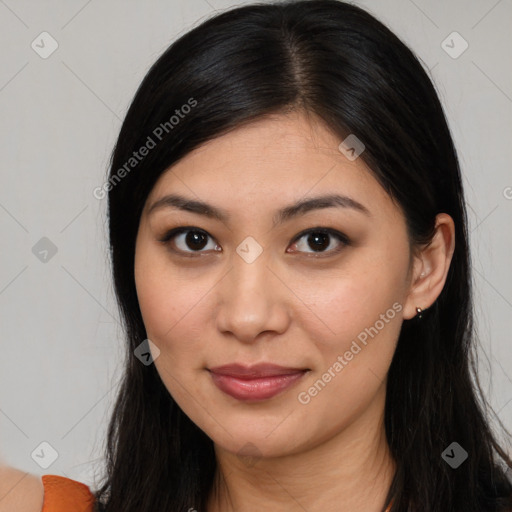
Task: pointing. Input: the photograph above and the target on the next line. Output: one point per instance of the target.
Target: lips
(257, 382)
(254, 371)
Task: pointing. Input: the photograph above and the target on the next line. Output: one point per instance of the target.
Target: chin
(259, 444)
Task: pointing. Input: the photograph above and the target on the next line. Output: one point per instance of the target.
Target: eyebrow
(301, 207)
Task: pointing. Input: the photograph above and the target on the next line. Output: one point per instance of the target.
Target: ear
(430, 267)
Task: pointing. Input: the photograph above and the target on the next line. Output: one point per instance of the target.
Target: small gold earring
(419, 312)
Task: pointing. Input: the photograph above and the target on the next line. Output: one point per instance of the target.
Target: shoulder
(20, 491)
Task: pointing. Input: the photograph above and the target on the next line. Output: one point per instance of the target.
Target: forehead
(275, 160)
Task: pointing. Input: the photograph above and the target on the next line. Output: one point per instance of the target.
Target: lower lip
(255, 389)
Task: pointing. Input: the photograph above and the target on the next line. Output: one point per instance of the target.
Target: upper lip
(254, 371)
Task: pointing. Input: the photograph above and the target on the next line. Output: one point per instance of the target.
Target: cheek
(357, 312)
(343, 306)
(172, 305)
(363, 316)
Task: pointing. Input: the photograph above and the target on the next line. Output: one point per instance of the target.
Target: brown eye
(188, 240)
(320, 240)
(195, 240)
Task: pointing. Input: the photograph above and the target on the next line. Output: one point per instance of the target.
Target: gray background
(61, 339)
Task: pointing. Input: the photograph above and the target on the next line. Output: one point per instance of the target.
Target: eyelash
(345, 241)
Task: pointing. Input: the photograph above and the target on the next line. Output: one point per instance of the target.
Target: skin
(20, 491)
(287, 307)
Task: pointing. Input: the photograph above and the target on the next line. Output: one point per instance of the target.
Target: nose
(252, 301)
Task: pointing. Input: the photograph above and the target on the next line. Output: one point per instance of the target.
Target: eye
(193, 240)
(190, 237)
(320, 239)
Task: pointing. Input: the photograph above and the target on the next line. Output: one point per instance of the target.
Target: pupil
(320, 240)
(193, 239)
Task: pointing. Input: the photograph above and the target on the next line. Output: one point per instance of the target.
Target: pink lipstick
(257, 382)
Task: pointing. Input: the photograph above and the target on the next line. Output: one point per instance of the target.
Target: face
(318, 289)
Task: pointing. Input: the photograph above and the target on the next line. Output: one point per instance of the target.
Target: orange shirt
(62, 494)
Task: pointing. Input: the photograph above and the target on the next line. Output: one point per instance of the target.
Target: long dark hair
(336, 61)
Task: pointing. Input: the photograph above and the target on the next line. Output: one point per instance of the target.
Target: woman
(290, 253)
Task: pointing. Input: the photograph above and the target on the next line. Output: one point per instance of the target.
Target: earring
(419, 312)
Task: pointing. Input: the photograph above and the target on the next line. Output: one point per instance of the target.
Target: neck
(352, 470)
